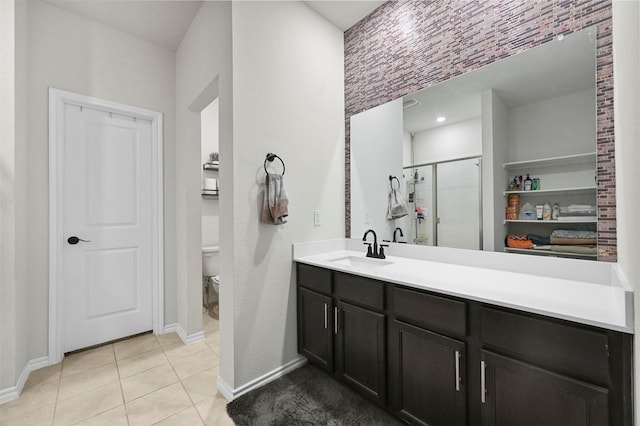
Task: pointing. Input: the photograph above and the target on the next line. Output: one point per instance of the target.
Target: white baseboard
(231, 394)
(186, 339)
(170, 328)
(13, 392)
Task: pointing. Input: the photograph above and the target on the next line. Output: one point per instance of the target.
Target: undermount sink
(361, 262)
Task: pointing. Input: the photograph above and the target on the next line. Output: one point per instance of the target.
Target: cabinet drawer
(314, 278)
(565, 349)
(429, 311)
(362, 291)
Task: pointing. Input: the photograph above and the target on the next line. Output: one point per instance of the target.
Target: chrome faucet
(394, 234)
(374, 252)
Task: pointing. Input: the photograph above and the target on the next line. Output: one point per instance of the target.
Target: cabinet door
(315, 337)
(360, 350)
(426, 376)
(516, 393)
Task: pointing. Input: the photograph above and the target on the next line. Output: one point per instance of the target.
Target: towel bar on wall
(391, 178)
(270, 157)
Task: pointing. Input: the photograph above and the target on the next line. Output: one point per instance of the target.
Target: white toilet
(210, 266)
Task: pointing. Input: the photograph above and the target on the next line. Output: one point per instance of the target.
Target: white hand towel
(275, 206)
(397, 208)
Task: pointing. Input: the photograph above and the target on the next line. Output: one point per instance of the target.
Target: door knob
(76, 240)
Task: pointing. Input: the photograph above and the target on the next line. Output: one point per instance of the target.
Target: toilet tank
(210, 261)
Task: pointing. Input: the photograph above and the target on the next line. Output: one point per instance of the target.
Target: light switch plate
(316, 217)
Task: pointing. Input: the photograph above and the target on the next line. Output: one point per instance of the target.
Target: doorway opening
(210, 208)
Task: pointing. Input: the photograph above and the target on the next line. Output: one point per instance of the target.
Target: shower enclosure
(446, 203)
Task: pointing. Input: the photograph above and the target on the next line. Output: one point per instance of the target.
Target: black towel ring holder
(270, 158)
(391, 178)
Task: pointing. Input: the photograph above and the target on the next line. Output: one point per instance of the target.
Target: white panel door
(107, 279)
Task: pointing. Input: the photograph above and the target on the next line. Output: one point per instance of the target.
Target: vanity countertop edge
(586, 292)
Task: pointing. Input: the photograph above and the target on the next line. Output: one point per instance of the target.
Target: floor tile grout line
(55, 405)
(95, 414)
(124, 404)
(146, 369)
(185, 391)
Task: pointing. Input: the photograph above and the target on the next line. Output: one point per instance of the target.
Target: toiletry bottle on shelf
(527, 183)
(555, 213)
(546, 212)
(527, 212)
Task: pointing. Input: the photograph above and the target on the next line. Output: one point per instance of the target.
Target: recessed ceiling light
(441, 119)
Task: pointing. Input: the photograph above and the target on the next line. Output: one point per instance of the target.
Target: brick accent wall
(407, 45)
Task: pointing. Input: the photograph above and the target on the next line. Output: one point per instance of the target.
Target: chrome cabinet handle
(483, 390)
(457, 371)
(335, 320)
(326, 316)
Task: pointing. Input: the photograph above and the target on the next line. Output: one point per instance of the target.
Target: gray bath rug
(306, 396)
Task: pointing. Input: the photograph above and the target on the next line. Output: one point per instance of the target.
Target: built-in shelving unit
(566, 180)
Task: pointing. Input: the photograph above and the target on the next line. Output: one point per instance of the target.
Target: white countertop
(587, 292)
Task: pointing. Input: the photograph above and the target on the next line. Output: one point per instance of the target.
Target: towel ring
(271, 157)
(391, 178)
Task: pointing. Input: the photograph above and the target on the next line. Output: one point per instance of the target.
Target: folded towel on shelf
(580, 208)
(275, 205)
(539, 240)
(397, 205)
(577, 249)
(574, 233)
(573, 241)
(573, 237)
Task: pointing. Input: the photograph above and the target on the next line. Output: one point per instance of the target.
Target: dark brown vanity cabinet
(426, 365)
(431, 359)
(427, 370)
(341, 328)
(315, 335)
(540, 371)
(518, 393)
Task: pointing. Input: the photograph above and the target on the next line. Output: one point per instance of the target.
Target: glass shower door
(459, 212)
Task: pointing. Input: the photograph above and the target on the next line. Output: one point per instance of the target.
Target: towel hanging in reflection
(397, 204)
(275, 206)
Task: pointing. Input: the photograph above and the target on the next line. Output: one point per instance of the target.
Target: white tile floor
(145, 380)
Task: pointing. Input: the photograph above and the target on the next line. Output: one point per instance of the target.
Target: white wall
(288, 91)
(72, 53)
(407, 147)
(203, 73)
(448, 142)
(9, 364)
(553, 127)
(626, 62)
(209, 143)
(376, 153)
(494, 177)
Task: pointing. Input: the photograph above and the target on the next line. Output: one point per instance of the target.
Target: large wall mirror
(459, 148)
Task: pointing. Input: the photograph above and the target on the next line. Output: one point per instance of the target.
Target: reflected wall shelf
(587, 158)
(575, 190)
(550, 222)
(551, 253)
(209, 194)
